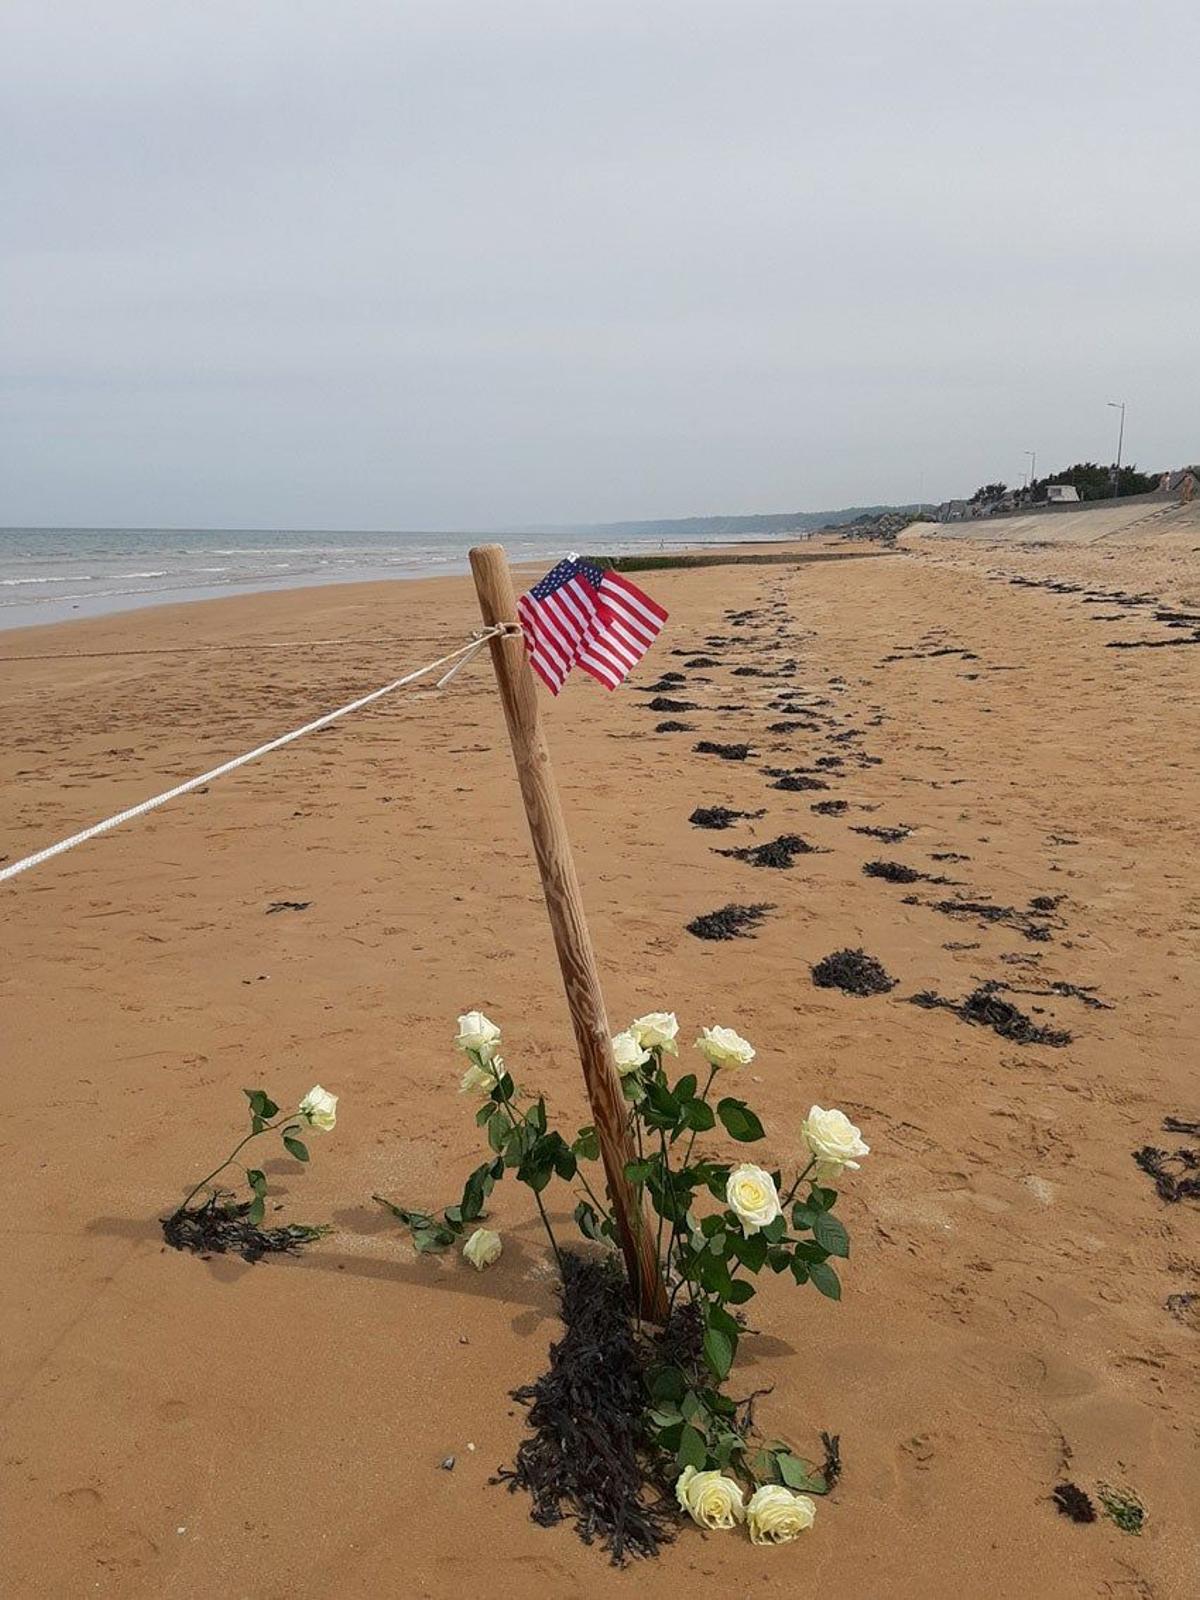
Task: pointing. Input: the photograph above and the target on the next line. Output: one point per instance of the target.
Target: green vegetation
(1124, 1507)
(1094, 482)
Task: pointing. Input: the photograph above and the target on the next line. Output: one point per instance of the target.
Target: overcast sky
(374, 264)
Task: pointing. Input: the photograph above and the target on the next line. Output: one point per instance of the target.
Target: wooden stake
(560, 885)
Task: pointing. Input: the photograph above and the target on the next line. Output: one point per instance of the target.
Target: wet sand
(183, 1428)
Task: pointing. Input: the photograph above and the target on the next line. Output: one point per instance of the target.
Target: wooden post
(560, 885)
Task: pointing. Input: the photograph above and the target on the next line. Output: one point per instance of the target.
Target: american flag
(577, 613)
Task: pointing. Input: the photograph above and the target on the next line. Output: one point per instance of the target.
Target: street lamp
(1118, 405)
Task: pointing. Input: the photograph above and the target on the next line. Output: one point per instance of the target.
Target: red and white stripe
(626, 624)
(554, 628)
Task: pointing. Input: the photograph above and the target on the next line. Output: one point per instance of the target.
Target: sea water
(53, 574)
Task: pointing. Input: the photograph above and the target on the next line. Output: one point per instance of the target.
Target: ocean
(54, 574)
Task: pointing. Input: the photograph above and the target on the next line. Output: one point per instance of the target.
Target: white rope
(460, 657)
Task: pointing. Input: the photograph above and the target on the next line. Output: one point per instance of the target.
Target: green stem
(688, 1152)
(253, 1134)
(800, 1177)
(600, 1207)
(512, 1122)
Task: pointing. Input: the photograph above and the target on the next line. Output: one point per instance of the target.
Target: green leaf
(698, 1115)
(498, 1131)
(718, 1352)
(775, 1230)
(261, 1104)
(803, 1216)
(822, 1276)
(587, 1220)
(751, 1251)
(740, 1291)
(830, 1234)
(714, 1275)
(797, 1473)
(718, 1317)
(295, 1147)
(779, 1259)
(694, 1410)
(666, 1383)
(639, 1171)
(739, 1121)
(537, 1115)
(822, 1199)
(257, 1180)
(485, 1113)
(691, 1451)
(255, 1214)
(685, 1089)
(799, 1270)
(257, 1124)
(587, 1144)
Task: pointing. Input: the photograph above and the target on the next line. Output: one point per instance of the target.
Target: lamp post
(1118, 405)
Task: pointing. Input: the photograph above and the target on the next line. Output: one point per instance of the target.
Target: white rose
(482, 1248)
(834, 1140)
(721, 1047)
(710, 1498)
(628, 1053)
(481, 1077)
(776, 1515)
(752, 1194)
(477, 1034)
(319, 1108)
(656, 1031)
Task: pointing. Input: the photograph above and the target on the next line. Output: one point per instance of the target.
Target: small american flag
(577, 613)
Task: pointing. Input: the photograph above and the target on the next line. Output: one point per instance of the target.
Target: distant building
(1061, 494)
(1184, 482)
(954, 511)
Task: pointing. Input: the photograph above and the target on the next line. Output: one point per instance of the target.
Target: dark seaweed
(731, 922)
(217, 1228)
(830, 808)
(885, 835)
(674, 727)
(662, 703)
(584, 1458)
(727, 752)
(776, 853)
(854, 972)
(1176, 1173)
(720, 816)
(1072, 1502)
(985, 1009)
(893, 872)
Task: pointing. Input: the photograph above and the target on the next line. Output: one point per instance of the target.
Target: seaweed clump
(984, 1007)
(854, 972)
(730, 922)
(719, 816)
(1176, 1173)
(216, 1228)
(727, 752)
(1074, 1503)
(776, 853)
(893, 872)
(584, 1458)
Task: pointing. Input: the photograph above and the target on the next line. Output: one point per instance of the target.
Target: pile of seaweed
(854, 972)
(885, 835)
(1025, 922)
(1176, 1173)
(893, 872)
(217, 1228)
(797, 782)
(730, 922)
(584, 1458)
(831, 808)
(776, 853)
(984, 1007)
(728, 752)
(719, 816)
(674, 727)
(662, 702)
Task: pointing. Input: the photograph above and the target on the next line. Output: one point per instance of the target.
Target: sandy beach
(1021, 1305)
